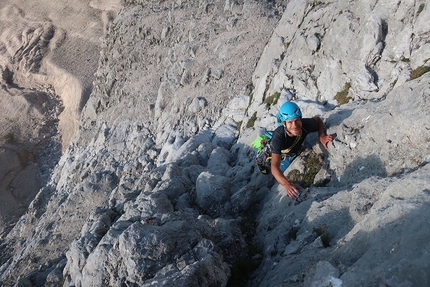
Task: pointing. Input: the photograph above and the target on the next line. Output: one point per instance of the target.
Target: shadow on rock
(390, 252)
(338, 118)
(360, 169)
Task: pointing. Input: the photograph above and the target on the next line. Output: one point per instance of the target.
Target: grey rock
(212, 192)
(159, 185)
(323, 274)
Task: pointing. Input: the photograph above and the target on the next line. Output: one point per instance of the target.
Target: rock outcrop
(48, 54)
(159, 185)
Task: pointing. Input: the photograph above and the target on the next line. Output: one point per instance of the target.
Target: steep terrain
(49, 53)
(159, 187)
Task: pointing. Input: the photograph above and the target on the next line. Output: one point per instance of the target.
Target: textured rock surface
(159, 186)
(48, 54)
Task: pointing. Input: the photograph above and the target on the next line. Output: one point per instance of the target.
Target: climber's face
(293, 127)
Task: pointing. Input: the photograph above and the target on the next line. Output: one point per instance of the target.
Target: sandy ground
(49, 52)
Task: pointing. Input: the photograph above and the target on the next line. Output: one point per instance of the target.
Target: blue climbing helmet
(287, 112)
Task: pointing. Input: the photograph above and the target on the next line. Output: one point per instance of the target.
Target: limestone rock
(159, 185)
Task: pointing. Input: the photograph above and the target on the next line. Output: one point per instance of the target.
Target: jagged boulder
(212, 193)
(154, 250)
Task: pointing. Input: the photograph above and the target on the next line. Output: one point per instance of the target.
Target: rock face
(159, 185)
(48, 54)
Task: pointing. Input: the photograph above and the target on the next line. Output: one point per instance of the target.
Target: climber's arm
(292, 190)
(323, 137)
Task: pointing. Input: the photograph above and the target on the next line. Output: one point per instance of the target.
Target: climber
(287, 142)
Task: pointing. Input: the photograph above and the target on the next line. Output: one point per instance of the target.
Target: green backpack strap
(260, 142)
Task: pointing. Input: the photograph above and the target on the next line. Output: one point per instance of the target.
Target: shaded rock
(323, 274)
(212, 192)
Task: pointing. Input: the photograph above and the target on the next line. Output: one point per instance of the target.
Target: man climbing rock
(287, 142)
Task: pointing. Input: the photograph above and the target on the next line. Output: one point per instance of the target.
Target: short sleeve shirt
(281, 141)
